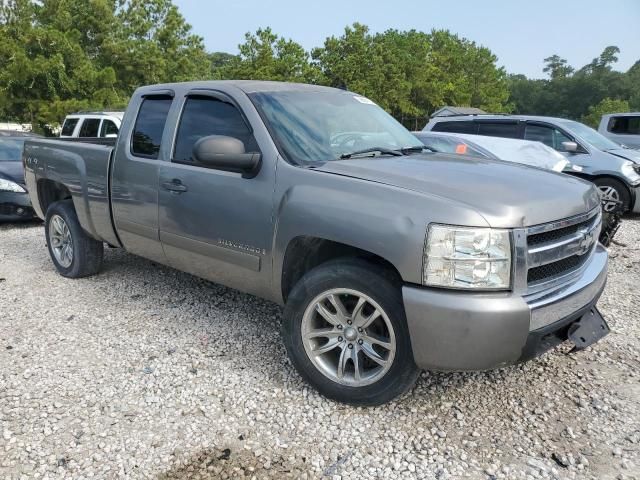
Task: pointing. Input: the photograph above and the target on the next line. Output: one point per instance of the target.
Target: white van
(92, 124)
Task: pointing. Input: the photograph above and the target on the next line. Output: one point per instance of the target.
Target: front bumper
(15, 206)
(453, 330)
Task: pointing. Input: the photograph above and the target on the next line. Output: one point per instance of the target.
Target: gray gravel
(143, 371)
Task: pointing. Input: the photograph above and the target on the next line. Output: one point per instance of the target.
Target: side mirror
(226, 153)
(571, 147)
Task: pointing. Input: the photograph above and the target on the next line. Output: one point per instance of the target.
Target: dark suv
(615, 170)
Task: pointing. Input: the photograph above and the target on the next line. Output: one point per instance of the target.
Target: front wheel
(73, 252)
(346, 333)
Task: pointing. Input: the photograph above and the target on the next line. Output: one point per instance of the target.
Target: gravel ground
(146, 372)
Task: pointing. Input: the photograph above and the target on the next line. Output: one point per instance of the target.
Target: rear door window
(69, 127)
(147, 132)
(456, 127)
(203, 116)
(89, 127)
(499, 129)
(108, 128)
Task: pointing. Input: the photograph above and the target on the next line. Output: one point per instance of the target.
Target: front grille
(557, 252)
(555, 269)
(554, 235)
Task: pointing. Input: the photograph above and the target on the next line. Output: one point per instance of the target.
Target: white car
(92, 125)
(527, 152)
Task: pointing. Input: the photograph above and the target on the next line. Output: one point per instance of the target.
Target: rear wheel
(346, 333)
(72, 251)
(614, 194)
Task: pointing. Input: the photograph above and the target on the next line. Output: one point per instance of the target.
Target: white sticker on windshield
(363, 100)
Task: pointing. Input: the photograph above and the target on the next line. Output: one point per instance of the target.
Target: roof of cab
(496, 116)
(247, 86)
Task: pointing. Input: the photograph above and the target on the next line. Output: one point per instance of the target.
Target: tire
(83, 255)
(350, 280)
(613, 189)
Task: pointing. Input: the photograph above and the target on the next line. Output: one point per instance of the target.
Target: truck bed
(84, 169)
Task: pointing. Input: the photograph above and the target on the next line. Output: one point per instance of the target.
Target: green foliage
(411, 74)
(266, 56)
(607, 105)
(557, 67)
(59, 56)
(573, 93)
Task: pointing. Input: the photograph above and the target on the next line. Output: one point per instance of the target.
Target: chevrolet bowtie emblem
(585, 242)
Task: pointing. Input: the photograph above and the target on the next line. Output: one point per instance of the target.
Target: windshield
(311, 126)
(589, 135)
(11, 149)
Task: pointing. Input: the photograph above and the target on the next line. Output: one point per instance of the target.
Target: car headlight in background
(469, 258)
(631, 171)
(9, 186)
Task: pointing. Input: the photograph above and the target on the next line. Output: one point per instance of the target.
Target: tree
(59, 56)
(47, 65)
(219, 60)
(412, 73)
(266, 56)
(557, 67)
(607, 105)
(570, 93)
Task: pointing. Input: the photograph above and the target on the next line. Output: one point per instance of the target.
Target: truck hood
(13, 171)
(626, 153)
(506, 194)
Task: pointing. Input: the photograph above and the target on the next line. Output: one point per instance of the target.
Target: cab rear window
(147, 133)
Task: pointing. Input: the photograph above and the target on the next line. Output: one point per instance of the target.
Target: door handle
(174, 186)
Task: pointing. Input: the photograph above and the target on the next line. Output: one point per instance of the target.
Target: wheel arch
(50, 191)
(303, 253)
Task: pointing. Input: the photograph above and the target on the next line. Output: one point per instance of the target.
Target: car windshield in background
(316, 127)
(590, 135)
(443, 144)
(11, 149)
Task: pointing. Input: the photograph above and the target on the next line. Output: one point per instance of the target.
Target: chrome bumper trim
(549, 306)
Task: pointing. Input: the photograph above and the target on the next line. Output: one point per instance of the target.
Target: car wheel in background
(73, 252)
(613, 192)
(346, 333)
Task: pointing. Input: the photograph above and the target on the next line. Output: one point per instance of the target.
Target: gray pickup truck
(387, 257)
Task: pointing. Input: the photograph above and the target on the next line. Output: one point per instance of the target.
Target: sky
(520, 33)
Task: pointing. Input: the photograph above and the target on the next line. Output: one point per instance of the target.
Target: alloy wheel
(61, 241)
(348, 337)
(610, 197)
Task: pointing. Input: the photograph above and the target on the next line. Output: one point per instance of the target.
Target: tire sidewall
(65, 210)
(357, 276)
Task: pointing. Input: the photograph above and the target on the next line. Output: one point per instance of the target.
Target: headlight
(461, 257)
(9, 186)
(631, 171)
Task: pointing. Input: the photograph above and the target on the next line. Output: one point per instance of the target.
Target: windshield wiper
(381, 150)
(417, 149)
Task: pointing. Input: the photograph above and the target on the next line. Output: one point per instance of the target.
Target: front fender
(387, 221)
